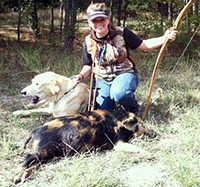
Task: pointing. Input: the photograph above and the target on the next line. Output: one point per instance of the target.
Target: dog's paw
(19, 113)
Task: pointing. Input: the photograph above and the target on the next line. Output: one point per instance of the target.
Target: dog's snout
(23, 92)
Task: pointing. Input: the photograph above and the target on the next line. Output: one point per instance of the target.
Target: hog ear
(54, 87)
(130, 123)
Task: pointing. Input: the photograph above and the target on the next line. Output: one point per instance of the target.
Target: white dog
(64, 95)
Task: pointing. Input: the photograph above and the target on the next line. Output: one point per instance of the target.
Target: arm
(87, 65)
(84, 73)
(154, 43)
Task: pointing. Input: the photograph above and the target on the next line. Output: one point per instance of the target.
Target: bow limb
(161, 54)
(182, 14)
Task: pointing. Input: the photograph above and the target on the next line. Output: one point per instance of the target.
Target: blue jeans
(120, 90)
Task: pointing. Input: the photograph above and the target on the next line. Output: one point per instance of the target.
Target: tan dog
(63, 95)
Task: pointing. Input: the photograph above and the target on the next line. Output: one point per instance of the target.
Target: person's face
(100, 26)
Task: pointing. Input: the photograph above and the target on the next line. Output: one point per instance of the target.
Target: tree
(69, 23)
(35, 21)
(19, 21)
(52, 18)
(126, 3)
(119, 12)
(61, 18)
(111, 11)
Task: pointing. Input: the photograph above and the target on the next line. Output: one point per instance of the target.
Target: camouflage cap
(97, 10)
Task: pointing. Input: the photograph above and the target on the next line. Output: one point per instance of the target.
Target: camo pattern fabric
(110, 56)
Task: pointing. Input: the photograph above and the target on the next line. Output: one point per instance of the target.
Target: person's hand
(78, 78)
(170, 34)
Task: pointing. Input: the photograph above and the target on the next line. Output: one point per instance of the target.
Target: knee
(118, 95)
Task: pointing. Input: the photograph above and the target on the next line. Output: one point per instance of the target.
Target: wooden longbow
(161, 54)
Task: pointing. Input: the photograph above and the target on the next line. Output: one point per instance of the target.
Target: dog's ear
(54, 87)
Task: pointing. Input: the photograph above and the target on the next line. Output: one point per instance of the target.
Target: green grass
(45, 58)
(171, 159)
(183, 160)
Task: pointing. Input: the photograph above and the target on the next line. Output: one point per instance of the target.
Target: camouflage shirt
(110, 54)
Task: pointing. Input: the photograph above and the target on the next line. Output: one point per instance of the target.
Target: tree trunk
(111, 11)
(170, 16)
(196, 8)
(73, 15)
(119, 9)
(188, 23)
(196, 12)
(52, 18)
(69, 25)
(35, 21)
(125, 12)
(61, 18)
(65, 37)
(19, 22)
